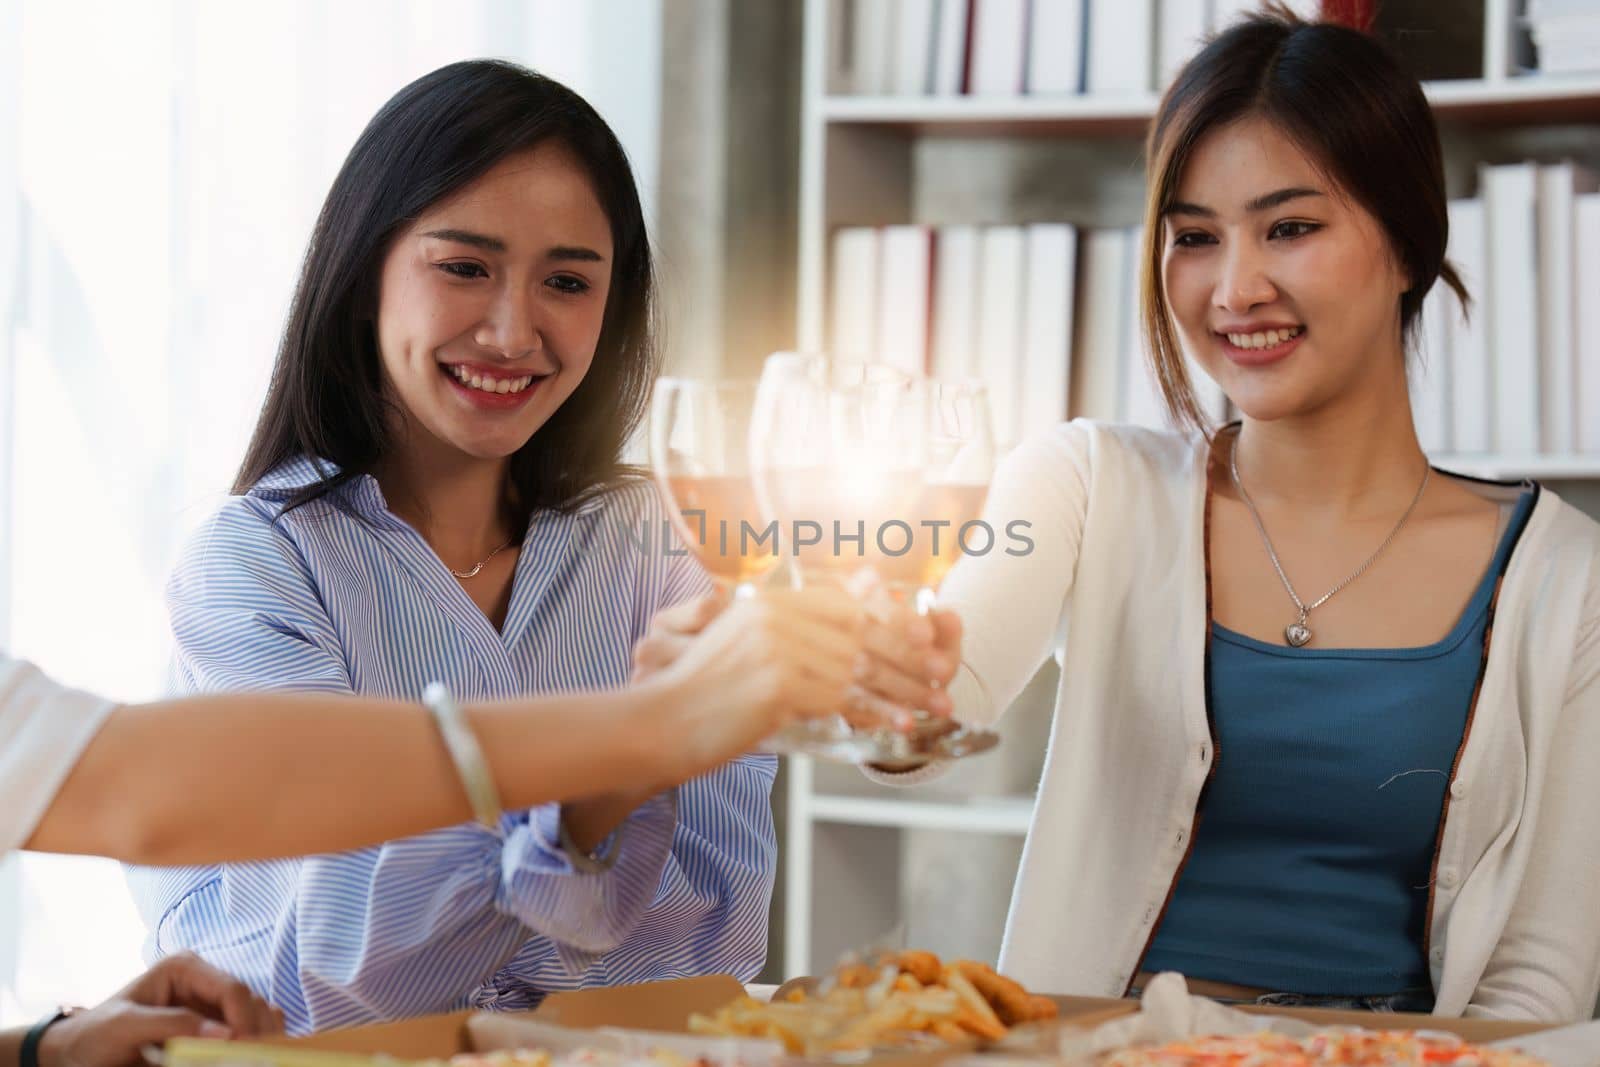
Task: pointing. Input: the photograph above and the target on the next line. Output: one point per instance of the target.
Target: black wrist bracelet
(28, 1055)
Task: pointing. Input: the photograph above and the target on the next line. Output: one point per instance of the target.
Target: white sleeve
(44, 728)
(1011, 598)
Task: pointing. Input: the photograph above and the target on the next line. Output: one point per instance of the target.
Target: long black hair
(446, 129)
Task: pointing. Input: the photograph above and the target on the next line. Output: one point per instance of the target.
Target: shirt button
(1182, 836)
(1205, 752)
(1458, 789)
(1437, 955)
(1447, 877)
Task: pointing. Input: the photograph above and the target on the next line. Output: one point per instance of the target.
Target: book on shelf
(1181, 29)
(955, 302)
(1586, 281)
(999, 47)
(916, 26)
(1467, 333)
(1055, 47)
(905, 265)
(1559, 186)
(855, 292)
(1430, 373)
(1140, 402)
(1566, 35)
(1002, 264)
(1008, 48)
(873, 46)
(1120, 57)
(950, 48)
(1510, 193)
(1097, 337)
(1051, 262)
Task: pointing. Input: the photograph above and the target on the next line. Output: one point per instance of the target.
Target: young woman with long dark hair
(434, 494)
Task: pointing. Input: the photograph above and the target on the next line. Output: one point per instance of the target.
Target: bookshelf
(854, 851)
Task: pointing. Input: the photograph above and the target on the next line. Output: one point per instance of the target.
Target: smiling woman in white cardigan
(1328, 718)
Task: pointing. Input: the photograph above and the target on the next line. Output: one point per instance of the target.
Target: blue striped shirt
(340, 595)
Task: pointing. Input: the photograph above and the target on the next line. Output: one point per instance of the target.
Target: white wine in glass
(700, 454)
(958, 458)
(835, 449)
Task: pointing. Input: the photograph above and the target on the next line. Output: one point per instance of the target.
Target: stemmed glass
(700, 453)
(958, 459)
(835, 447)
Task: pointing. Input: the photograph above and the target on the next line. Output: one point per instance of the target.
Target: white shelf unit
(996, 815)
(1544, 468)
(867, 161)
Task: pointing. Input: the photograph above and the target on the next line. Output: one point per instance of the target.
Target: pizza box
(660, 1008)
(663, 1007)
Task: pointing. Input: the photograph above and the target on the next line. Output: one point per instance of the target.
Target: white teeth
(490, 384)
(1265, 338)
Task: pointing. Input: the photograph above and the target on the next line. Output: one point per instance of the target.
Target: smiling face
(491, 304)
(1282, 288)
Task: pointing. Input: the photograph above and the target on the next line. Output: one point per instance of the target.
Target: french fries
(903, 1000)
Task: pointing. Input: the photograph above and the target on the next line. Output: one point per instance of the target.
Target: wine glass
(835, 447)
(700, 453)
(958, 456)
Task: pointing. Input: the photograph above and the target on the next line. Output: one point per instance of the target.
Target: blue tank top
(1315, 844)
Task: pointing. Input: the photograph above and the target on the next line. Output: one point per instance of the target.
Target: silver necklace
(472, 573)
(1297, 633)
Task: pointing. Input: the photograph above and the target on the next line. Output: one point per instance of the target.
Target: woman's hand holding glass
(776, 634)
(731, 673)
(910, 656)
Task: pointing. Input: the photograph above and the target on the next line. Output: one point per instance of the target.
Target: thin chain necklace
(1297, 633)
(473, 571)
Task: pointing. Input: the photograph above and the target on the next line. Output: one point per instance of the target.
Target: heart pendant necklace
(1297, 633)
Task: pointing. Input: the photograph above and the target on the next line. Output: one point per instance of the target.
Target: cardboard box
(665, 1007)
(661, 1006)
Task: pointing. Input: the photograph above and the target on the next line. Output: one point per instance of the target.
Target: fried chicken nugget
(1011, 1002)
(973, 1023)
(1041, 1008)
(975, 1005)
(925, 967)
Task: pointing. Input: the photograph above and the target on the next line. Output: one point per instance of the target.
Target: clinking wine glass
(958, 460)
(837, 447)
(700, 454)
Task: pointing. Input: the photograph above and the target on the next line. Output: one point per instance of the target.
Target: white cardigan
(1115, 589)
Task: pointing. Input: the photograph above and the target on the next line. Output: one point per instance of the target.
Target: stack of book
(1519, 375)
(1566, 34)
(1025, 47)
(1048, 316)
